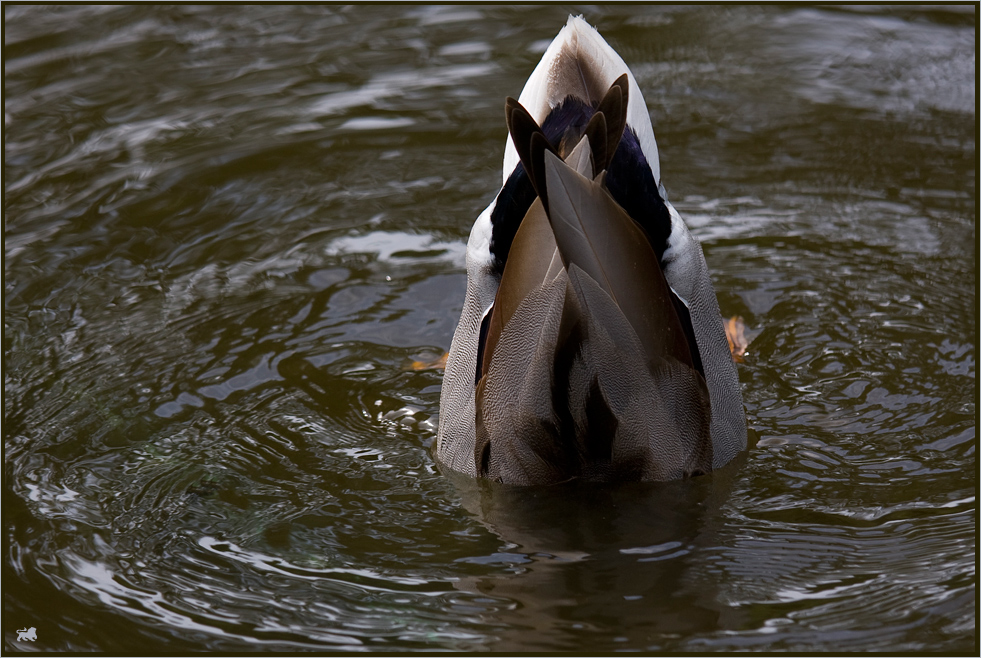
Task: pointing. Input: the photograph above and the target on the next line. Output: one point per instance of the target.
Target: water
(229, 229)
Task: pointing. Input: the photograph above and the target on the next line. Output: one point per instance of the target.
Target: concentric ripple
(230, 230)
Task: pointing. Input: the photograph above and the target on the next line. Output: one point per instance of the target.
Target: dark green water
(227, 229)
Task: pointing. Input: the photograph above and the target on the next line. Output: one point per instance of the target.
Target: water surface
(229, 229)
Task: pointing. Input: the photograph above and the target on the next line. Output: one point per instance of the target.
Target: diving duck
(591, 344)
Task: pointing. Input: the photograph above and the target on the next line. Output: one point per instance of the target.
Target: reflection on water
(228, 230)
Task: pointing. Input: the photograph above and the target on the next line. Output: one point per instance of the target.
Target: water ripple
(228, 233)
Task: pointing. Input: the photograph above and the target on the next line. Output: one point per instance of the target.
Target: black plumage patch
(632, 185)
(513, 202)
(482, 344)
(566, 123)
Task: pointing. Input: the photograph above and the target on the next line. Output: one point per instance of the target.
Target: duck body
(590, 343)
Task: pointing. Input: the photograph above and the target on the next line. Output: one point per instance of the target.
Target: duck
(590, 345)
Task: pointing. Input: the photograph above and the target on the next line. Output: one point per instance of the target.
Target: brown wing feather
(614, 108)
(530, 143)
(596, 137)
(592, 231)
(605, 127)
(526, 269)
